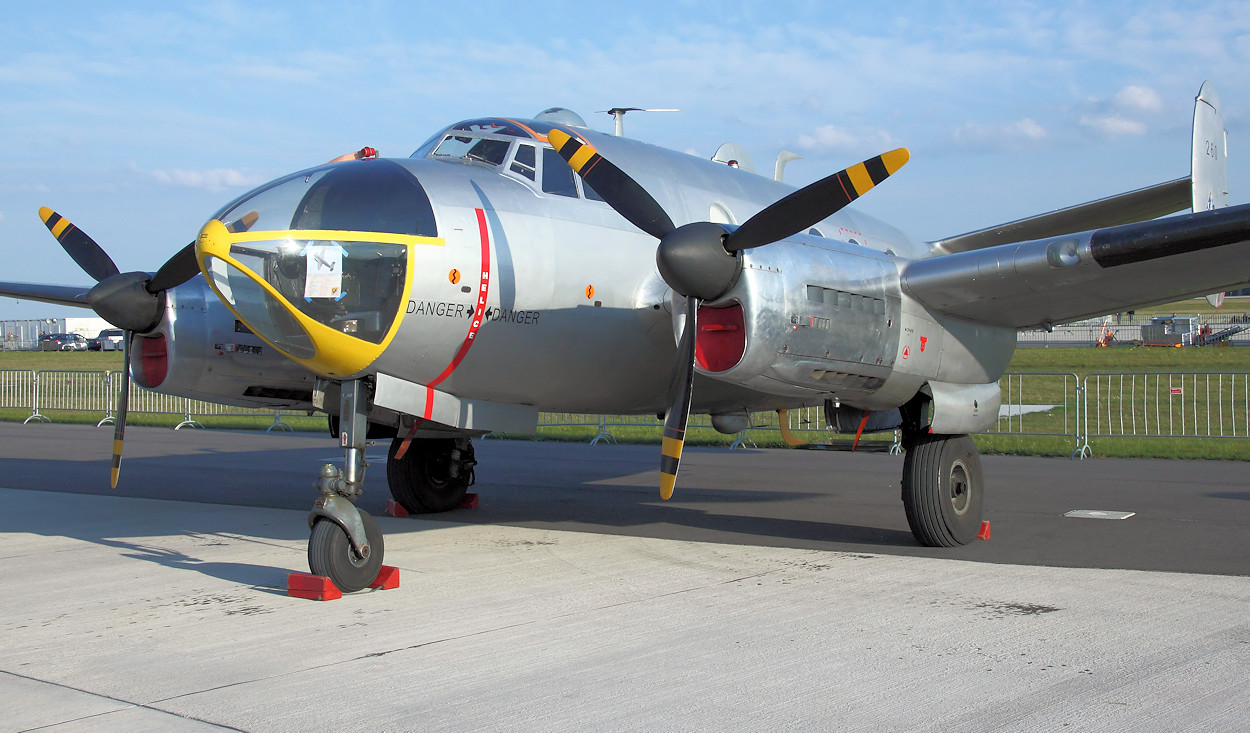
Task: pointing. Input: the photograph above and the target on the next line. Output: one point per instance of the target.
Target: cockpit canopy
(516, 148)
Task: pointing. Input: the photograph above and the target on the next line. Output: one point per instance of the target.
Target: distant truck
(1171, 331)
(110, 339)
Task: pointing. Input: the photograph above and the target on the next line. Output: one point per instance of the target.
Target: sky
(138, 120)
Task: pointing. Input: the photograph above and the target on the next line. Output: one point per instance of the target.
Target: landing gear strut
(942, 489)
(346, 545)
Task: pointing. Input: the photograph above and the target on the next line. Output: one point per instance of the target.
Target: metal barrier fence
(99, 392)
(1059, 404)
(17, 390)
(1176, 404)
(1040, 403)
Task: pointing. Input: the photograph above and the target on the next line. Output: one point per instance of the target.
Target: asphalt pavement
(778, 590)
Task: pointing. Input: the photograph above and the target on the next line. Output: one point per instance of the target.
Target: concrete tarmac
(779, 590)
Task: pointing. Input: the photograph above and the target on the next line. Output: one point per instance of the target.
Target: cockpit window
(473, 149)
(557, 175)
(524, 161)
(488, 142)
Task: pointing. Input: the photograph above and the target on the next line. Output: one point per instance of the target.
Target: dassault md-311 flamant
(388, 292)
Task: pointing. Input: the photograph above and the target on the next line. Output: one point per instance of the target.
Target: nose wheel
(332, 554)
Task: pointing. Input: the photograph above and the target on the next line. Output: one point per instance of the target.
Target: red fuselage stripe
(478, 314)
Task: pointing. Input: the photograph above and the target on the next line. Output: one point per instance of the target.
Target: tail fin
(1209, 167)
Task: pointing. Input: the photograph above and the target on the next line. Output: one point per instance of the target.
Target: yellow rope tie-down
(783, 417)
(337, 354)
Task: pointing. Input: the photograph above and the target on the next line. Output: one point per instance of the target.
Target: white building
(24, 334)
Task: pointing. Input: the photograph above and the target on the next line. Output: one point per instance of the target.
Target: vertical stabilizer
(1209, 164)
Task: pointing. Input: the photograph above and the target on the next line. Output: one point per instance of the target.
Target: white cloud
(1113, 125)
(210, 179)
(1143, 99)
(830, 138)
(1007, 135)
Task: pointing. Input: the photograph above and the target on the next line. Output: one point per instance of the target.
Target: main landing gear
(942, 489)
(431, 475)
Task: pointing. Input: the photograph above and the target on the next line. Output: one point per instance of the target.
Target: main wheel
(331, 554)
(942, 490)
(421, 481)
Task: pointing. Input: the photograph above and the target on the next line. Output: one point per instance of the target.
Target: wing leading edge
(1125, 208)
(1059, 279)
(58, 294)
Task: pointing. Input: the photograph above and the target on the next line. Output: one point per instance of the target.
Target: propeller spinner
(132, 301)
(700, 260)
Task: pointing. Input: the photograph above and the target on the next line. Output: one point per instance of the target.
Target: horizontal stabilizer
(1125, 208)
(59, 294)
(1060, 279)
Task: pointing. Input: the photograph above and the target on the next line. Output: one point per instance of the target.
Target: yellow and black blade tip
(80, 247)
(859, 179)
(670, 459)
(808, 205)
(123, 407)
(622, 193)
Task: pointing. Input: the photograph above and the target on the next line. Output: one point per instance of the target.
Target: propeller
(700, 260)
(132, 301)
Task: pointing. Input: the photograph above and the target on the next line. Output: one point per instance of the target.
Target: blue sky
(138, 120)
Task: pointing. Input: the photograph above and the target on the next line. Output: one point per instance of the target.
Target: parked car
(63, 342)
(110, 339)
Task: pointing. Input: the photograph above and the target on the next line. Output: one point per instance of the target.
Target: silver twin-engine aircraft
(512, 266)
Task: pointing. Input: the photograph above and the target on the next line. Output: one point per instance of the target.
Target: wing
(1125, 208)
(59, 294)
(1047, 281)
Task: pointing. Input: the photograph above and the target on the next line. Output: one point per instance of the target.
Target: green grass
(1117, 359)
(1031, 390)
(72, 360)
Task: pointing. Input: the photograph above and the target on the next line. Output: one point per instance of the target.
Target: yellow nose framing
(328, 347)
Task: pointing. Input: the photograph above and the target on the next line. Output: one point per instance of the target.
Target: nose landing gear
(346, 545)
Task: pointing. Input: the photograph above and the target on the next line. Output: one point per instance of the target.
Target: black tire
(330, 553)
(943, 490)
(421, 482)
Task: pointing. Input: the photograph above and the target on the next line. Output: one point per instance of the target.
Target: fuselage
(524, 288)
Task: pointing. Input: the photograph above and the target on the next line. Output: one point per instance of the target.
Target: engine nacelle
(200, 350)
(813, 318)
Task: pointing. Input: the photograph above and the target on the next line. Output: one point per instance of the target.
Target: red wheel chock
(984, 534)
(312, 587)
(321, 588)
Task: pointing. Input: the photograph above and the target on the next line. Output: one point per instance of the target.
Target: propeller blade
(176, 270)
(123, 406)
(679, 413)
(814, 202)
(183, 265)
(80, 247)
(622, 193)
